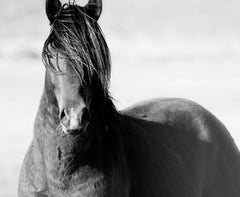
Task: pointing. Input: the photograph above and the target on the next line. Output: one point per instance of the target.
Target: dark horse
(84, 147)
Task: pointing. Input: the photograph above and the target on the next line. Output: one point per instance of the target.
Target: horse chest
(64, 178)
(75, 188)
(83, 182)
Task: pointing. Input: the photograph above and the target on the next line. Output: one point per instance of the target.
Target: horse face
(67, 87)
(71, 36)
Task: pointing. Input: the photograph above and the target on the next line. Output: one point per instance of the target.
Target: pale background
(173, 48)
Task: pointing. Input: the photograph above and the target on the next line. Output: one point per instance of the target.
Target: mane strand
(80, 40)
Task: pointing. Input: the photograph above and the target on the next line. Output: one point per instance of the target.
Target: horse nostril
(85, 116)
(62, 115)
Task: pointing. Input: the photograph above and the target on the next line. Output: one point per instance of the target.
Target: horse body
(174, 147)
(83, 147)
(183, 151)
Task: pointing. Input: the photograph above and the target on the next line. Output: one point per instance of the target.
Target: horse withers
(83, 147)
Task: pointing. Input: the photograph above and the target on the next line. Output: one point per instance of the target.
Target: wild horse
(84, 147)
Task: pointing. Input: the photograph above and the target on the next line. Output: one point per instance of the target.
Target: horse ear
(94, 9)
(52, 8)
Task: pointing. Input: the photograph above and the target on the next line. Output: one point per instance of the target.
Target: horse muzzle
(74, 122)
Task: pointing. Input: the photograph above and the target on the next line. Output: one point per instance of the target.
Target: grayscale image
(109, 98)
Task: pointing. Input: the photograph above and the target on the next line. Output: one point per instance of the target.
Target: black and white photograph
(109, 98)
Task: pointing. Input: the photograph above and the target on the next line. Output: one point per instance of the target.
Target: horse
(84, 147)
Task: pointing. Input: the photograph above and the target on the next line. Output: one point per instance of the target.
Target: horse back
(185, 116)
(189, 147)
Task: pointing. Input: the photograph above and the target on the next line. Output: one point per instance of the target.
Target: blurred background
(174, 48)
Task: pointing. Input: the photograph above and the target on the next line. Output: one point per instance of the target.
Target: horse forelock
(80, 40)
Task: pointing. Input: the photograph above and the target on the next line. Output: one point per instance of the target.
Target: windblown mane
(79, 38)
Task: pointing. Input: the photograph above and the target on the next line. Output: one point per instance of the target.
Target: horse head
(66, 87)
(76, 59)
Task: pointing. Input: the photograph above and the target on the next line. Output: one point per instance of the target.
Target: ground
(188, 49)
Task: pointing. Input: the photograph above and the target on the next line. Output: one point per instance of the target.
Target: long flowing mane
(80, 39)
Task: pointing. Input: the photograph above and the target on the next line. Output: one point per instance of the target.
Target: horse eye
(55, 45)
